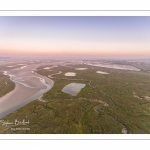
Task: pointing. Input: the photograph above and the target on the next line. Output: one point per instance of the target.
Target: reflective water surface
(73, 88)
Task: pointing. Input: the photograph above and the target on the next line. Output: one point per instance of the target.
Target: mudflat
(27, 84)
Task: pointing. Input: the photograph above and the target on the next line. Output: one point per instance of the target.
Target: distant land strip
(74, 10)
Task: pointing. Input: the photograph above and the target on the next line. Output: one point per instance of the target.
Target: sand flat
(50, 67)
(115, 66)
(47, 68)
(23, 67)
(11, 66)
(101, 72)
(80, 68)
(21, 64)
(70, 74)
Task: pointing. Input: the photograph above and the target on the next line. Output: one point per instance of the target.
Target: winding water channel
(29, 86)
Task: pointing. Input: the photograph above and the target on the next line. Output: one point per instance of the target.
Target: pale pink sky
(75, 36)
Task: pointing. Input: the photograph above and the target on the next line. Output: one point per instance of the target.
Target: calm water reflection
(73, 88)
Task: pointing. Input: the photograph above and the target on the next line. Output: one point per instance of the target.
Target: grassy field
(108, 104)
(6, 85)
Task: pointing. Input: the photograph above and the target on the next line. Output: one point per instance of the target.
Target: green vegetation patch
(6, 85)
(108, 104)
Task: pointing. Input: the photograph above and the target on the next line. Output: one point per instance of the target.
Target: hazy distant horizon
(74, 57)
(103, 37)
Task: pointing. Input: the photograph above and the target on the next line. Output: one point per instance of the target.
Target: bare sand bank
(115, 66)
(101, 72)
